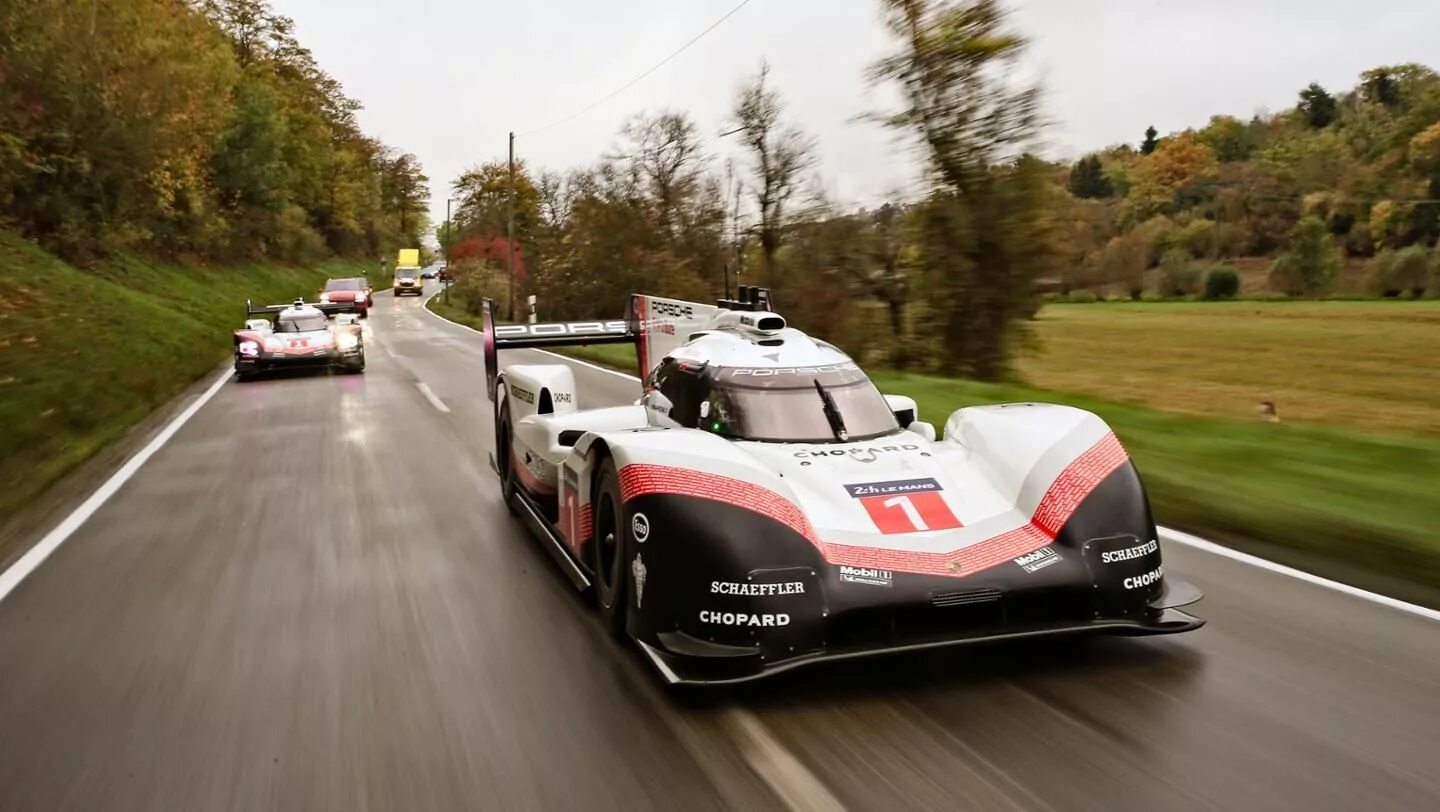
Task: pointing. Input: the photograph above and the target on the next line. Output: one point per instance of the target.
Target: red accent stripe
(638, 480)
(1076, 482)
(531, 482)
(1061, 500)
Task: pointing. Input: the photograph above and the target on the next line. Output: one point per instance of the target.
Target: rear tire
(610, 549)
(504, 456)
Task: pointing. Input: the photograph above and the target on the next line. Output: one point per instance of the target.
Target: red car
(354, 291)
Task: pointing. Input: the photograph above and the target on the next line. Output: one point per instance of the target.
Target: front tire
(609, 549)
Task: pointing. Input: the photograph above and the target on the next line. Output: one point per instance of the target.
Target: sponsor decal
(523, 394)
(563, 397)
(771, 372)
(905, 505)
(891, 488)
(756, 590)
(637, 569)
(866, 454)
(1038, 560)
(1130, 553)
(1142, 581)
(573, 328)
(866, 575)
(664, 307)
(743, 619)
(640, 527)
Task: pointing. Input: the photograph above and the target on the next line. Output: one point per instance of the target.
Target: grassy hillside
(85, 354)
(1361, 501)
(1359, 365)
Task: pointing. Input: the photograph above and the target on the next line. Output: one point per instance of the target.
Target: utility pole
(447, 250)
(510, 231)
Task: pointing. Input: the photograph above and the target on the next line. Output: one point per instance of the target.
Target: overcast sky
(447, 79)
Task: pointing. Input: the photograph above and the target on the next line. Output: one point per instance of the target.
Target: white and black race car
(297, 335)
(763, 506)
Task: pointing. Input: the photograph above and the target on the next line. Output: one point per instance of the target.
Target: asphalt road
(312, 598)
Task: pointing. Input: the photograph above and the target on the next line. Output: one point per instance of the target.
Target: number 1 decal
(910, 512)
(906, 506)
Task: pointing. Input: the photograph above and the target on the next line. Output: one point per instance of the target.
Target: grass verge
(86, 354)
(1361, 365)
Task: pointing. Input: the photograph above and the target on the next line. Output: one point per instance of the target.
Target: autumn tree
(984, 231)
(665, 150)
(779, 156)
(1179, 164)
(1310, 264)
(1088, 179)
(1151, 140)
(1317, 106)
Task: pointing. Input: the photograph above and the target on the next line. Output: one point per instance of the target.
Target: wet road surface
(312, 597)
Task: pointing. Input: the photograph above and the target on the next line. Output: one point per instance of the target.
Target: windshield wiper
(832, 412)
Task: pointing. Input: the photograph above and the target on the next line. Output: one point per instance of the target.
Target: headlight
(360, 297)
(249, 348)
(347, 342)
(325, 297)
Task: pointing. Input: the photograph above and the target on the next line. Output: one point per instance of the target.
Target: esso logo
(640, 527)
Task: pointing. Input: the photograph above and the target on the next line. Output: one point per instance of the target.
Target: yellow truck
(407, 273)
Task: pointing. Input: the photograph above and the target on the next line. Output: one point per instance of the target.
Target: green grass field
(85, 354)
(1359, 500)
(1367, 365)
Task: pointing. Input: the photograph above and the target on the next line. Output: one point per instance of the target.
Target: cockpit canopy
(300, 320)
(811, 404)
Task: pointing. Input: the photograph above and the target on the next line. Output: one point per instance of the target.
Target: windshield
(786, 405)
(301, 324)
(344, 284)
(407, 273)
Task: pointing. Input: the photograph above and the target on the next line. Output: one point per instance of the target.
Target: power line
(637, 79)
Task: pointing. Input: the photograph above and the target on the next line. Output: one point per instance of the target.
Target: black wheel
(609, 549)
(504, 457)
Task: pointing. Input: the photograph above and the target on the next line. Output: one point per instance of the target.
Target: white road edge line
(797, 787)
(430, 396)
(1198, 543)
(1169, 534)
(35, 556)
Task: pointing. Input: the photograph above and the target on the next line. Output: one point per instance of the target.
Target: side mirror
(926, 430)
(904, 409)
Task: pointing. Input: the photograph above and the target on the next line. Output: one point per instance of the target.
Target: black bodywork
(700, 553)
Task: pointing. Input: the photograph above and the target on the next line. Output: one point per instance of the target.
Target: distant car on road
(408, 280)
(298, 335)
(430, 272)
(354, 291)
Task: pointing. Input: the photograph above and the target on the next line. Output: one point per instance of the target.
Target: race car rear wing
(323, 307)
(654, 325)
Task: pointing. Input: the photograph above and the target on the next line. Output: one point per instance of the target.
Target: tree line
(947, 279)
(190, 128)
